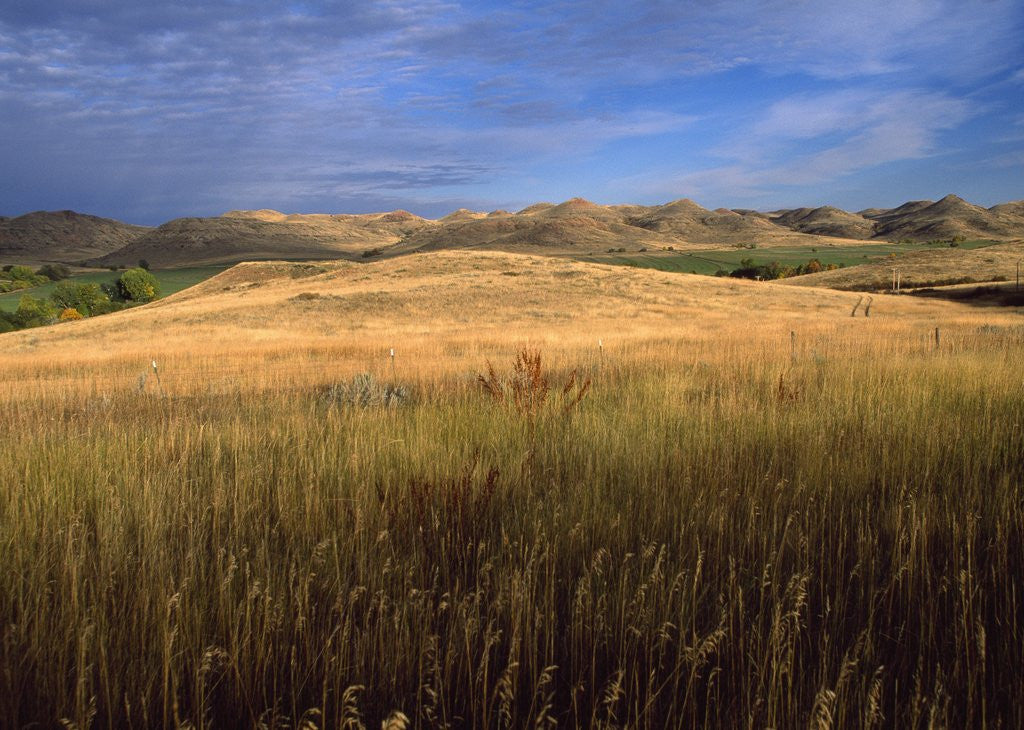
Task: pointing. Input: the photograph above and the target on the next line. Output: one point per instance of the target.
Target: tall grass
(713, 535)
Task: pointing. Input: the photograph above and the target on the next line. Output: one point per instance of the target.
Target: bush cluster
(774, 270)
(71, 300)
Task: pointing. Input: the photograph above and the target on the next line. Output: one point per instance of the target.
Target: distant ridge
(62, 236)
(575, 226)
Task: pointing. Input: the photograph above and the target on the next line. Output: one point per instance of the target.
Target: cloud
(813, 139)
(193, 102)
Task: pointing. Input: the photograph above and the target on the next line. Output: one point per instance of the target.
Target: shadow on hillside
(985, 295)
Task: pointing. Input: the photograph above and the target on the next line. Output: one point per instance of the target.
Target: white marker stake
(393, 364)
(157, 374)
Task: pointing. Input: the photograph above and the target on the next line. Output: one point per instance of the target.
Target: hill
(572, 227)
(826, 221)
(62, 236)
(260, 235)
(442, 297)
(580, 226)
(946, 218)
(924, 268)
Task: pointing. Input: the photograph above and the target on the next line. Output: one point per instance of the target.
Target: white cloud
(818, 140)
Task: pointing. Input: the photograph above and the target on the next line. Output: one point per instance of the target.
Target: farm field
(709, 503)
(171, 282)
(709, 261)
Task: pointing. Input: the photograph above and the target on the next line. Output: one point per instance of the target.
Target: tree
(34, 312)
(54, 272)
(22, 277)
(138, 285)
(87, 299)
(143, 264)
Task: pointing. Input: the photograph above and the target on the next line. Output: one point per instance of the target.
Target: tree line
(71, 300)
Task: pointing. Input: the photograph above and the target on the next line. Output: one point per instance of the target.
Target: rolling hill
(62, 236)
(573, 227)
(924, 268)
(949, 217)
(260, 235)
(444, 296)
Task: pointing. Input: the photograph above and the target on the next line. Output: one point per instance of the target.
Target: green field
(171, 282)
(709, 262)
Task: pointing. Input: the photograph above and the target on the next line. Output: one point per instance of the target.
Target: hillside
(826, 221)
(62, 236)
(575, 226)
(924, 268)
(446, 296)
(949, 217)
(261, 235)
(580, 226)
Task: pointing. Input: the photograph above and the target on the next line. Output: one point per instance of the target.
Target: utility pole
(1018, 274)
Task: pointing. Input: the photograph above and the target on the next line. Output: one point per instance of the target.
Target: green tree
(54, 272)
(138, 285)
(88, 299)
(34, 312)
(22, 277)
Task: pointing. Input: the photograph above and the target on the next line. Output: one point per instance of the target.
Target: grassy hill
(62, 236)
(573, 227)
(927, 267)
(727, 503)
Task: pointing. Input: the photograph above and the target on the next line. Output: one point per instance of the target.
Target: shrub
(526, 390)
(143, 264)
(54, 272)
(34, 312)
(138, 285)
(365, 391)
(69, 314)
(87, 299)
(22, 277)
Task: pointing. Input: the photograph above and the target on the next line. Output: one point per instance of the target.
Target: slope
(438, 298)
(924, 268)
(946, 218)
(261, 235)
(63, 236)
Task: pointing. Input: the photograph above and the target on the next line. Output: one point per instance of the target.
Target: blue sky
(145, 111)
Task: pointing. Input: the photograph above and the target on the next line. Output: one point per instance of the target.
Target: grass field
(171, 281)
(728, 527)
(710, 261)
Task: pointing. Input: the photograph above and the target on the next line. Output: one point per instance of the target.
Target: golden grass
(925, 268)
(728, 528)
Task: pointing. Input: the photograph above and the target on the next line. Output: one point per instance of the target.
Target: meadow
(171, 282)
(710, 261)
(686, 526)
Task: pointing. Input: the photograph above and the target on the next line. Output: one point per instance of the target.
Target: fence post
(393, 376)
(936, 338)
(792, 345)
(159, 383)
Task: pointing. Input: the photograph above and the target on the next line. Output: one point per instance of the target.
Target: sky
(148, 111)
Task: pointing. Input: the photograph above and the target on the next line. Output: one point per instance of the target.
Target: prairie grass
(721, 533)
